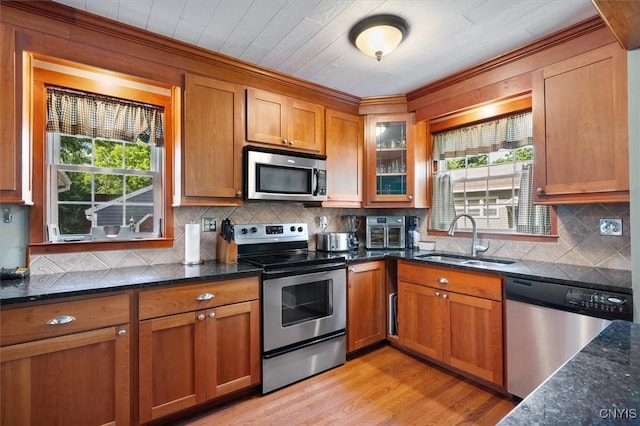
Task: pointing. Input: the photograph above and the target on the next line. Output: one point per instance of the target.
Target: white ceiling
(309, 38)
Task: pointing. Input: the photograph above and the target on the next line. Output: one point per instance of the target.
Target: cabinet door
(172, 364)
(420, 319)
(390, 160)
(75, 379)
(473, 336)
(233, 347)
(366, 308)
(213, 137)
(580, 128)
(344, 148)
(266, 117)
(305, 126)
(11, 158)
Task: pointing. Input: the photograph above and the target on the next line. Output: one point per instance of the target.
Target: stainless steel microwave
(278, 175)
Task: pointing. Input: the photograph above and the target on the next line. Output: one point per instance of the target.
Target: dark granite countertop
(600, 385)
(52, 286)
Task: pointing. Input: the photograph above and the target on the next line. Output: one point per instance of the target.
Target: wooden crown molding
(560, 37)
(78, 18)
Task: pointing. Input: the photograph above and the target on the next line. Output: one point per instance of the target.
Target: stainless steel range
(303, 302)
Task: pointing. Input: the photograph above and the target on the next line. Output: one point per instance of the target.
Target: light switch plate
(610, 226)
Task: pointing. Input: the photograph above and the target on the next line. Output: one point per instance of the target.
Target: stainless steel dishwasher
(548, 323)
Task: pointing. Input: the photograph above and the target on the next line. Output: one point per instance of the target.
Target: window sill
(82, 246)
(498, 236)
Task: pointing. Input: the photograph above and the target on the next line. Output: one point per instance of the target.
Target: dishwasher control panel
(596, 303)
(592, 300)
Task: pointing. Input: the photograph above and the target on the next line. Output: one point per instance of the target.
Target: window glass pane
(75, 150)
(108, 154)
(73, 220)
(138, 183)
(108, 187)
(74, 186)
(109, 214)
(137, 156)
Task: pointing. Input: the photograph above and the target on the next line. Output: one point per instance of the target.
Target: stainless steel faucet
(475, 248)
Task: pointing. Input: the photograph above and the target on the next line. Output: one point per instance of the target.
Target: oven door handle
(281, 351)
(305, 270)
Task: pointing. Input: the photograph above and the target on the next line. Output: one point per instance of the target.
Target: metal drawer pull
(201, 317)
(437, 294)
(212, 315)
(62, 319)
(444, 296)
(122, 332)
(205, 296)
(442, 280)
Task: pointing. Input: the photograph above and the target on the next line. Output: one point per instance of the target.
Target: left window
(106, 159)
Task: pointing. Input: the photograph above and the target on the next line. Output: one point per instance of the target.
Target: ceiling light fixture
(378, 35)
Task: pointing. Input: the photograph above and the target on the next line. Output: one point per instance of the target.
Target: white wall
(634, 172)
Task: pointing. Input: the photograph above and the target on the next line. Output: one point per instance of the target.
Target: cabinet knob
(329, 197)
(122, 332)
(205, 296)
(437, 294)
(239, 194)
(540, 191)
(62, 319)
(201, 317)
(410, 197)
(212, 315)
(285, 142)
(444, 296)
(442, 280)
(290, 142)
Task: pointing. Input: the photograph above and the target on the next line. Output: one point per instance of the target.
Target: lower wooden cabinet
(81, 378)
(464, 331)
(366, 304)
(192, 357)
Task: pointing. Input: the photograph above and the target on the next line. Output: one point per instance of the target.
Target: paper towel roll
(192, 243)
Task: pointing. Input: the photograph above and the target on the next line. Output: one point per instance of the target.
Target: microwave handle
(316, 175)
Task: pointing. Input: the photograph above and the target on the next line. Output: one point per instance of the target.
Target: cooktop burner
(278, 245)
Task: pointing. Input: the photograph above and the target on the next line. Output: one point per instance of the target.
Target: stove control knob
(243, 231)
(254, 229)
(292, 229)
(299, 228)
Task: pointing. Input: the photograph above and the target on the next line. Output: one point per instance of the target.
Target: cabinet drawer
(185, 298)
(56, 319)
(471, 283)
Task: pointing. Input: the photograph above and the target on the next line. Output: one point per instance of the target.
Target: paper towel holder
(192, 262)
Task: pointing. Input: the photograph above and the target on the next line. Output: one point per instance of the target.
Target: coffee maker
(353, 223)
(412, 237)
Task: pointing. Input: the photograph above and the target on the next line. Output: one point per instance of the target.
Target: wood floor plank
(383, 387)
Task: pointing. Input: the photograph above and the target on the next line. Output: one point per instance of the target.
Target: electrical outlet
(208, 224)
(322, 222)
(610, 226)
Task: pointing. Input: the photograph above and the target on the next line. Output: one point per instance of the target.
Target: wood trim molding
(83, 20)
(622, 18)
(383, 105)
(576, 31)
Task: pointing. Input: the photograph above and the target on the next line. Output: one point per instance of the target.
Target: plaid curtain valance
(510, 132)
(79, 113)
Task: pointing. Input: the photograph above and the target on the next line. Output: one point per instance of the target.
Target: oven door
(297, 308)
(376, 237)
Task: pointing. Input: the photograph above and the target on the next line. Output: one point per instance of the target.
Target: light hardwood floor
(384, 387)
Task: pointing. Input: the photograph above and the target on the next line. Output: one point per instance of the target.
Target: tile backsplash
(579, 242)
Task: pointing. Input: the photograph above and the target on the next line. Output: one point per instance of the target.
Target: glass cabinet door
(391, 158)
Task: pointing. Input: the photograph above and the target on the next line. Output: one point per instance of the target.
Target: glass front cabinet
(391, 154)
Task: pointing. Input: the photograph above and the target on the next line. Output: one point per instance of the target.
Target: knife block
(226, 252)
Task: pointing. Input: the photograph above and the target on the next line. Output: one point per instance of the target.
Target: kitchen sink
(465, 260)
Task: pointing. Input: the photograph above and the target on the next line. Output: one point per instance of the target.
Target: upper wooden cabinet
(345, 146)
(580, 128)
(11, 161)
(286, 122)
(395, 162)
(213, 139)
